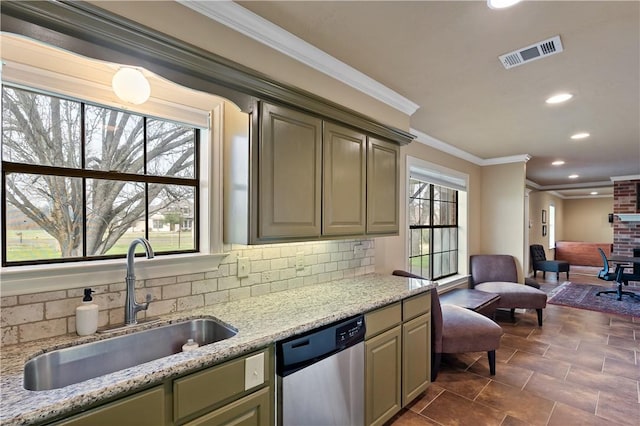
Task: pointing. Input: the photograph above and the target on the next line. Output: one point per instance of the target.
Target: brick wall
(626, 235)
(272, 269)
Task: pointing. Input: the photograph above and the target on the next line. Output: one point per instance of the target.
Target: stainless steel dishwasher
(321, 376)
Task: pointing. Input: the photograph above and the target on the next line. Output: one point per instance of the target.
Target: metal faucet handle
(149, 298)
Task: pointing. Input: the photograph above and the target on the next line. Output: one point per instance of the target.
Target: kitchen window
(437, 222)
(433, 230)
(81, 180)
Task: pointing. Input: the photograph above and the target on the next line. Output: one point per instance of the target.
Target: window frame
(84, 173)
(31, 279)
(432, 229)
(451, 178)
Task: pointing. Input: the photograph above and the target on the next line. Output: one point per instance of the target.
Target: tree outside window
(81, 181)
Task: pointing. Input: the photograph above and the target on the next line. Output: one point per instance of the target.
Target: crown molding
(553, 189)
(582, 197)
(464, 155)
(248, 23)
(425, 139)
(629, 177)
(521, 158)
(576, 186)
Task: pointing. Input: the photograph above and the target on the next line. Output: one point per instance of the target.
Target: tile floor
(580, 368)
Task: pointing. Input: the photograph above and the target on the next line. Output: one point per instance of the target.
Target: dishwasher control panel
(302, 350)
(349, 332)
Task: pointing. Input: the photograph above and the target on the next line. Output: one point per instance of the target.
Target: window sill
(41, 278)
(455, 281)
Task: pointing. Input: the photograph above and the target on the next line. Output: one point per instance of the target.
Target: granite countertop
(260, 321)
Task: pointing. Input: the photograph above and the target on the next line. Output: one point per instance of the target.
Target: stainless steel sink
(63, 367)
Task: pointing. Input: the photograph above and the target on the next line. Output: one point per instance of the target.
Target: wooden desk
(581, 253)
(480, 301)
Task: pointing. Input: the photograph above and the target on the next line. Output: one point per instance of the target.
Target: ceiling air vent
(531, 53)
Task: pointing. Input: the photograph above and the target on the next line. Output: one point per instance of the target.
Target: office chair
(620, 277)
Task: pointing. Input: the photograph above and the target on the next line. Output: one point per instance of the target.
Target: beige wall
(502, 211)
(221, 40)
(539, 200)
(587, 220)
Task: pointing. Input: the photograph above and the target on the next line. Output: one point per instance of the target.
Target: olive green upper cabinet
(293, 176)
(344, 181)
(383, 193)
(289, 174)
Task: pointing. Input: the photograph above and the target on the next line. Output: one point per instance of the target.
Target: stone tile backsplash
(272, 268)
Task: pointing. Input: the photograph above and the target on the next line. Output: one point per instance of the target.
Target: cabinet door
(289, 173)
(208, 389)
(252, 410)
(383, 198)
(143, 408)
(344, 178)
(382, 376)
(416, 357)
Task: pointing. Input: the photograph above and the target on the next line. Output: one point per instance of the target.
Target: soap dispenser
(87, 315)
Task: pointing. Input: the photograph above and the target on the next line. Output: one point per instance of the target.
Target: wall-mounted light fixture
(130, 85)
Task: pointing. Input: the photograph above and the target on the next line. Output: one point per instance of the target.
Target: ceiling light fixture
(501, 4)
(580, 135)
(593, 193)
(573, 176)
(559, 98)
(557, 163)
(130, 85)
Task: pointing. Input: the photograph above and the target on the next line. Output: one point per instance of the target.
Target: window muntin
(433, 230)
(81, 181)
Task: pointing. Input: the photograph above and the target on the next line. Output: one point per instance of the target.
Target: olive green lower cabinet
(146, 408)
(397, 356)
(236, 392)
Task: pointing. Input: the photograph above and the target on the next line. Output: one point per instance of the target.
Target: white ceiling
(444, 57)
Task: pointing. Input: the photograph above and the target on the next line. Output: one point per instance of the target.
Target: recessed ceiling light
(501, 4)
(557, 163)
(580, 135)
(593, 193)
(559, 98)
(573, 176)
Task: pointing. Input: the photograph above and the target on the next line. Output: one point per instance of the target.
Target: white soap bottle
(87, 315)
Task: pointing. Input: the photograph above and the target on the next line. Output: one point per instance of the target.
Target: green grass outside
(37, 244)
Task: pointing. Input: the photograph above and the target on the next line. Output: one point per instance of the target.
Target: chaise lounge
(539, 262)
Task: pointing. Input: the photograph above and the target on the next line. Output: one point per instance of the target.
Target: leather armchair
(459, 330)
(497, 273)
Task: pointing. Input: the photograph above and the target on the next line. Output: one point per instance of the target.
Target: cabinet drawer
(252, 410)
(212, 387)
(416, 306)
(144, 408)
(382, 319)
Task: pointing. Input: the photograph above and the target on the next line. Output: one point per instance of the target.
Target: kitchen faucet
(131, 308)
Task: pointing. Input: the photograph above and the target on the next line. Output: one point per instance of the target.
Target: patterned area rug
(583, 296)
